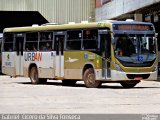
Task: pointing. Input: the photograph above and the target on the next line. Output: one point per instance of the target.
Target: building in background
(28, 12)
(141, 10)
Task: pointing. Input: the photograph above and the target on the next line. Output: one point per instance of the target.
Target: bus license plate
(138, 78)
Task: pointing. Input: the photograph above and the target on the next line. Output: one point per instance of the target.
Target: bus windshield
(135, 48)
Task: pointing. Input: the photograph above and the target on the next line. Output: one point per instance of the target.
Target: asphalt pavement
(18, 95)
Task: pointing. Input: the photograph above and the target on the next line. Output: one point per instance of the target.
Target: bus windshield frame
(137, 44)
(134, 50)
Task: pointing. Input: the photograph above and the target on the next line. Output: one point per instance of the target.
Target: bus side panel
(8, 63)
(59, 66)
(44, 62)
(46, 65)
(73, 64)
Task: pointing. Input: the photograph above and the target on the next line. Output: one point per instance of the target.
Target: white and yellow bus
(109, 51)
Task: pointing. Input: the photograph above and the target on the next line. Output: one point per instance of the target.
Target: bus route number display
(132, 27)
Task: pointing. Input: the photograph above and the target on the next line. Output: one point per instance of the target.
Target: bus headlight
(118, 67)
(155, 69)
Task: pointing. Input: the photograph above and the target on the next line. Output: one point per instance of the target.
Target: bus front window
(135, 48)
(124, 46)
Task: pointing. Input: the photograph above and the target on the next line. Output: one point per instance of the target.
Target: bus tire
(68, 82)
(34, 75)
(129, 84)
(89, 79)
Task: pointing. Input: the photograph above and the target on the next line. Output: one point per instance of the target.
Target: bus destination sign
(132, 27)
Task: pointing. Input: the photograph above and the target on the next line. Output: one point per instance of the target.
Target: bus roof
(55, 27)
(102, 24)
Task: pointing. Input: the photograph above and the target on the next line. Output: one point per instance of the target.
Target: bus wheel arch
(33, 74)
(30, 67)
(86, 67)
(89, 77)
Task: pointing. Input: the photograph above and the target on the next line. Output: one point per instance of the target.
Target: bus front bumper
(120, 76)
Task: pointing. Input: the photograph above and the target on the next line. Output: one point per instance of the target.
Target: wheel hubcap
(91, 78)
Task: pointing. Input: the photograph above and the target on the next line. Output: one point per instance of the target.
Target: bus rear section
(24, 54)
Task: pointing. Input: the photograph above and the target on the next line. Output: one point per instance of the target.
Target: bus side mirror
(156, 34)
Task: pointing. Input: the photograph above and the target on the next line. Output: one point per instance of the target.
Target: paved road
(17, 95)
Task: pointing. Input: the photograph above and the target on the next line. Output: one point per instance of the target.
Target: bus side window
(31, 41)
(45, 42)
(74, 40)
(8, 42)
(90, 39)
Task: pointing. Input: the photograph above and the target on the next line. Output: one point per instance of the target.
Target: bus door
(59, 40)
(19, 43)
(105, 50)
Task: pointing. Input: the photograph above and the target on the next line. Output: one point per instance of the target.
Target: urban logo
(33, 56)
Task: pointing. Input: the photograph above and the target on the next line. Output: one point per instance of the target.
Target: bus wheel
(68, 82)
(89, 79)
(34, 76)
(129, 84)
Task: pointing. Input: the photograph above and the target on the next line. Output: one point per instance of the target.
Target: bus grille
(131, 64)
